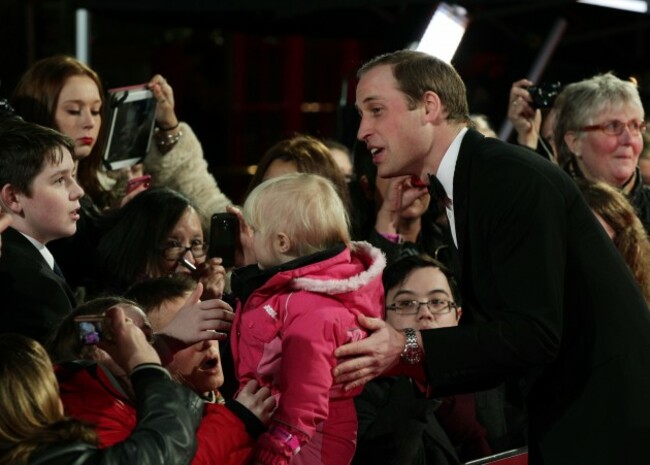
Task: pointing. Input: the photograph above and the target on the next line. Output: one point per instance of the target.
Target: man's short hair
(417, 73)
(151, 294)
(24, 150)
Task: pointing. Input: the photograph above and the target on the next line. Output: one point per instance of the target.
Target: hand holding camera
(212, 275)
(118, 336)
(525, 118)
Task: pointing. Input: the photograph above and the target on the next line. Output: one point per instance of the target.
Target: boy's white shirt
(47, 255)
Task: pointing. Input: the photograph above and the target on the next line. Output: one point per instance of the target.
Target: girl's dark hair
(35, 99)
(397, 272)
(130, 248)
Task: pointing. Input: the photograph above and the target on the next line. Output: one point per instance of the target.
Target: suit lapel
(14, 239)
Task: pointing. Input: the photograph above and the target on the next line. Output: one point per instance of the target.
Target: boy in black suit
(551, 301)
(38, 190)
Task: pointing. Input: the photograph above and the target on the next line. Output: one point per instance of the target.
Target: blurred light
(317, 107)
(82, 34)
(638, 6)
(444, 32)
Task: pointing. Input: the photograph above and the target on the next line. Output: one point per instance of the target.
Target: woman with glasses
(399, 422)
(158, 233)
(599, 129)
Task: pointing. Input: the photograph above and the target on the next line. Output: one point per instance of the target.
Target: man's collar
(448, 164)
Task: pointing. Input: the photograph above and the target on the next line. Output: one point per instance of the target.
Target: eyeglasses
(174, 250)
(437, 307)
(616, 127)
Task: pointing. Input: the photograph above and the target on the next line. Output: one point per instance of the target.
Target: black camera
(544, 94)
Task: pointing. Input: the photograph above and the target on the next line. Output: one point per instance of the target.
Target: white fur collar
(340, 286)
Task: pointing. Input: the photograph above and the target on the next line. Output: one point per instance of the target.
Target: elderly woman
(599, 129)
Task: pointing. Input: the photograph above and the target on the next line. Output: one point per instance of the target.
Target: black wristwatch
(412, 354)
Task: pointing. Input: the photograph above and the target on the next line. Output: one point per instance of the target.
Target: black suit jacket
(33, 299)
(553, 302)
(399, 427)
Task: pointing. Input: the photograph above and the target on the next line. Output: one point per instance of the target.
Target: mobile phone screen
(89, 329)
(224, 233)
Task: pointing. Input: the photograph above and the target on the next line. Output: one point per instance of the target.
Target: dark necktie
(58, 271)
(439, 200)
(438, 206)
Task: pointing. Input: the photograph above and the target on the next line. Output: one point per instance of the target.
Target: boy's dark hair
(398, 271)
(150, 294)
(25, 148)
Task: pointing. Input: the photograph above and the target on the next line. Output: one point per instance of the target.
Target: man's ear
(10, 199)
(573, 140)
(459, 313)
(433, 109)
(282, 243)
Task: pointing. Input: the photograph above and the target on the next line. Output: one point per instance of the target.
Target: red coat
(89, 394)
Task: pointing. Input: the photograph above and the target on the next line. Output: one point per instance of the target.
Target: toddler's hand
(258, 400)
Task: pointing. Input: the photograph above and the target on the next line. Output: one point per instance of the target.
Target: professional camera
(544, 94)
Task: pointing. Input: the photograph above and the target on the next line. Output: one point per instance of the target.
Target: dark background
(247, 73)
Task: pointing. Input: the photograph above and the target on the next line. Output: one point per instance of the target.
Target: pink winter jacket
(287, 331)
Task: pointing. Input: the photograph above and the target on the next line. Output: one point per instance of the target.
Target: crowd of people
(432, 296)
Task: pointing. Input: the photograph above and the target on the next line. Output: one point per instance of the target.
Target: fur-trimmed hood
(364, 252)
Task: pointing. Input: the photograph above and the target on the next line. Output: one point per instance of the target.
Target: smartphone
(133, 183)
(89, 329)
(224, 236)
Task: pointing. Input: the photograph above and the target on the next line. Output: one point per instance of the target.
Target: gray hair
(581, 102)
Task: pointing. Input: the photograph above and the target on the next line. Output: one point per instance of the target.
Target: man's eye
(74, 112)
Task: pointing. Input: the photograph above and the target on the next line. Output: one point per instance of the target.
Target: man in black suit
(551, 300)
(40, 194)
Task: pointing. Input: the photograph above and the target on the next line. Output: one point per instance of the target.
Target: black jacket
(553, 301)
(33, 299)
(168, 415)
(398, 427)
